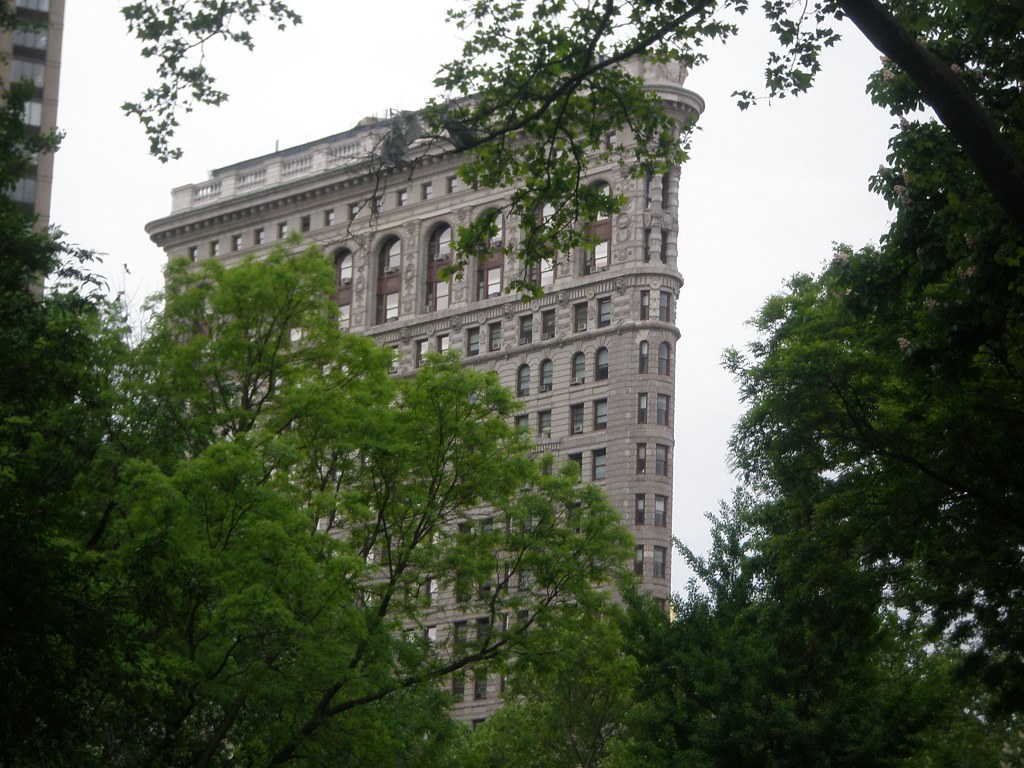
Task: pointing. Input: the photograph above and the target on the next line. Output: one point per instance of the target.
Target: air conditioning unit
(390, 270)
(493, 294)
(545, 387)
(441, 259)
(547, 335)
(577, 429)
(582, 326)
(345, 281)
(580, 380)
(525, 339)
(524, 392)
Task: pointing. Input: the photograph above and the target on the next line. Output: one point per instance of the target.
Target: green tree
(175, 35)
(765, 665)
(565, 702)
(57, 351)
(268, 518)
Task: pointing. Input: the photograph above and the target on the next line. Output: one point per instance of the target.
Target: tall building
(593, 360)
(32, 52)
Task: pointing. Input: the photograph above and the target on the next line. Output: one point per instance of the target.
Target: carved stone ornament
(591, 293)
(620, 285)
(405, 334)
(655, 282)
(622, 220)
(563, 299)
(508, 311)
(456, 322)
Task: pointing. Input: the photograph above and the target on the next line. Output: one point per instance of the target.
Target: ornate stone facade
(593, 360)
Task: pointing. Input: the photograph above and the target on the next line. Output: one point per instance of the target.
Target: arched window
(547, 266)
(579, 368)
(599, 255)
(645, 352)
(390, 256)
(489, 265)
(439, 247)
(343, 266)
(343, 279)
(547, 375)
(389, 280)
(664, 358)
(438, 284)
(523, 381)
(601, 364)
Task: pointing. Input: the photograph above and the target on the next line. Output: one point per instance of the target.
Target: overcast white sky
(765, 194)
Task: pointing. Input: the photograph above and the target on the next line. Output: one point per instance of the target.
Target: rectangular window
(665, 306)
(641, 458)
(598, 464)
(494, 337)
(663, 401)
(28, 70)
(483, 629)
(600, 414)
(26, 38)
(640, 509)
(344, 315)
(427, 191)
(282, 230)
(666, 187)
(442, 294)
(329, 217)
(419, 352)
(236, 242)
(304, 223)
(660, 510)
(259, 236)
(544, 424)
(638, 560)
(472, 342)
(645, 305)
(353, 211)
(664, 246)
(460, 633)
(661, 460)
(579, 317)
(459, 685)
(576, 419)
(479, 685)
(193, 253)
(451, 184)
(547, 324)
(547, 273)
(604, 312)
(647, 245)
(33, 113)
(660, 556)
(443, 343)
(402, 197)
(493, 282)
(648, 183)
(376, 204)
(522, 422)
(214, 248)
(387, 307)
(526, 329)
(641, 408)
(577, 458)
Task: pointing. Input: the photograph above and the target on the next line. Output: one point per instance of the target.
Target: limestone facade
(593, 360)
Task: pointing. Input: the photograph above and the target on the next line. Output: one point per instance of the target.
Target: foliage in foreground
(258, 523)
